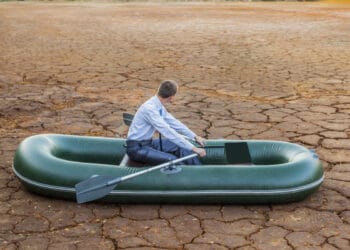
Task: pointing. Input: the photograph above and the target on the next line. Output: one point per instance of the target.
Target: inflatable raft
(52, 164)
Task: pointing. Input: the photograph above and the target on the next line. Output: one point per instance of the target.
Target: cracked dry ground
(247, 70)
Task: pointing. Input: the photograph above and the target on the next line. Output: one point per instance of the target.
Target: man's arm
(183, 129)
(200, 151)
(200, 140)
(178, 126)
(154, 118)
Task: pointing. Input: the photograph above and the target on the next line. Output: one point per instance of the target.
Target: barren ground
(277, 71)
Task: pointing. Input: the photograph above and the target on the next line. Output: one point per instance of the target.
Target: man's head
(167, 88)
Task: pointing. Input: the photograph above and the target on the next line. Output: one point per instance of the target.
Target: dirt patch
(277, 71)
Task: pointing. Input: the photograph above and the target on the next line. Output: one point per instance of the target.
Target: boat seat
(127, 162)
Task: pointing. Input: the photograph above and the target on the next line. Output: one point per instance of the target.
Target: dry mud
(277, 71)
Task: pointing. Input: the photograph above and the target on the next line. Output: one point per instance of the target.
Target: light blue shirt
(149, 118)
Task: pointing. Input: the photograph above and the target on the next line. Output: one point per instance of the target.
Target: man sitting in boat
(152, 116)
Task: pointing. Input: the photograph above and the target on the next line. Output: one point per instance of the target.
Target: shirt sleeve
(154, 118)
(178, 126)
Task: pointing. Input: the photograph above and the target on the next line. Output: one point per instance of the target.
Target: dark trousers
(149, 152)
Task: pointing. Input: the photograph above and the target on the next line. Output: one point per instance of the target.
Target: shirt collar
(157, 102)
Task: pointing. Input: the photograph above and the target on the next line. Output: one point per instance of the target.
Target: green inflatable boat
(279, 172)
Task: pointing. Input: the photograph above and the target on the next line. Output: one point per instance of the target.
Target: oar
(127, 118)
(99, 186)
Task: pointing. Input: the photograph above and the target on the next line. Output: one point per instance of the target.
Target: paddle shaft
(130, 176)
(99, 186)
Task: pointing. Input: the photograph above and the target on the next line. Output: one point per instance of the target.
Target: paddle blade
(94, 188)
(127, 118)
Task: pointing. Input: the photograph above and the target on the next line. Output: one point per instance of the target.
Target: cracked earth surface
(278, 71)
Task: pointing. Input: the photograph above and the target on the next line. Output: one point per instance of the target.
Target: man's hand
(200, 140)
(200, 151)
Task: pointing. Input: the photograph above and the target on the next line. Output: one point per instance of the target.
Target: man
(152, 116)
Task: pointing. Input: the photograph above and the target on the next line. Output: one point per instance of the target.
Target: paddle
(99, 186)
(127, 118)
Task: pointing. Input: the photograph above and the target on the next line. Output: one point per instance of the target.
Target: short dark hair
(167, 88)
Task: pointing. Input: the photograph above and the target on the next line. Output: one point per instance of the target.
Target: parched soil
(277, 71)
